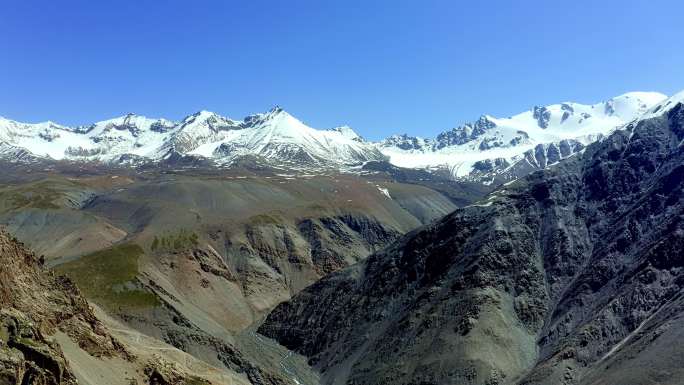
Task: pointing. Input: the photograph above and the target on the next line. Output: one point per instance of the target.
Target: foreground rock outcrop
(41, 313)
(572, 275)
(35, 305)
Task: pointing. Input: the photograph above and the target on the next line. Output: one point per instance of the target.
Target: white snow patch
(517, 134)
(384, 191)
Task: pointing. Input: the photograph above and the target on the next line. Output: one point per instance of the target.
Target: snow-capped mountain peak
(463, 148)
(206, 121)
(664, 105)
(131, 122)
(480, 149)
(348, 132)
(276, 136)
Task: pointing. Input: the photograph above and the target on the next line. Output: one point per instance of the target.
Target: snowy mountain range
(487, 150)
(533, 139)
(276, 136)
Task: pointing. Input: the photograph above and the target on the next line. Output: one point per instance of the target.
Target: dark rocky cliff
(572, 275)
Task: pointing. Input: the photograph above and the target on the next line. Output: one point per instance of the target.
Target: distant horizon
(382, 68)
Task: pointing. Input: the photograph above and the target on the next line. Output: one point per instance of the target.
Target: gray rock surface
(571, 275)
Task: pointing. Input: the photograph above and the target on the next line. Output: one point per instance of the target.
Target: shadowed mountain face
(572, 275)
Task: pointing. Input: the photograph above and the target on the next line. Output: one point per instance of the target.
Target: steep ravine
(207, 304)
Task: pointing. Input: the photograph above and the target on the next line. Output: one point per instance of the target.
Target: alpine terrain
(495, 150)
(49, 335)
(489, 150)
(536, 249)
(336, 193)
(570, 275)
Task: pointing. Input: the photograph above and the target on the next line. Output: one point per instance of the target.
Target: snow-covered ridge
(490, 149)
(512, 140)
(274, 135)
(664, 105)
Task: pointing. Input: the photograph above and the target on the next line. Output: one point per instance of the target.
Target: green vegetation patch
(108, 277)
(266, 219)
(184, 239)
(38, 197)
(4, 334)
(44, 194)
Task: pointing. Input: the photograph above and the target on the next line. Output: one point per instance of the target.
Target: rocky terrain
(190, 260)
(184, 236)
(34, 306)
(49, 335)
(571, 275)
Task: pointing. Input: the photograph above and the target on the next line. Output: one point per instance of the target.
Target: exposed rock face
(26, 357)
(465, 133)
(528, 141)
(501, 170)
(552, 153)
(335, 241)
(407, 142)
(542, 115)
(572, 275)
(34, 305)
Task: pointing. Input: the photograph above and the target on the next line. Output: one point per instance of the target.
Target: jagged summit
(275, 136)
(488, 150)
(516, 140)
(348, 132)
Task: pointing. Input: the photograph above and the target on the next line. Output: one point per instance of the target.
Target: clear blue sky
(380, 66)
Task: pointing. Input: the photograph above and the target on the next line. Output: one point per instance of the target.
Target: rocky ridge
(35, 305)
(489, 150)
(496, 150)
(571, 275)
(49, 334)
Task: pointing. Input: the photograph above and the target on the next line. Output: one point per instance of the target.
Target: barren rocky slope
(49, 335)
(35, 304)
(572, 275)
(192, 258)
